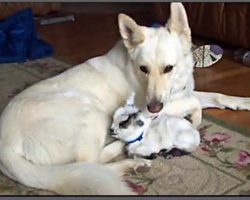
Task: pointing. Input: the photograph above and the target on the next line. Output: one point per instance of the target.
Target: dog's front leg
(184, 106)
(111, 151)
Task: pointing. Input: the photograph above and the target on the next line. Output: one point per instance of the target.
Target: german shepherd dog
(53, 133)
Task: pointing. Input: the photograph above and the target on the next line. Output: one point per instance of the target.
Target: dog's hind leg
(111, 151)
(222, 101)
(90, 139)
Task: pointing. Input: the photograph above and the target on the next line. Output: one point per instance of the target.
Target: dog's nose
(155, 106)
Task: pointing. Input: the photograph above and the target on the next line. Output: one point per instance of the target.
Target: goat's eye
(125, 124)
(168, 69)
(144, 69)
(139, 123)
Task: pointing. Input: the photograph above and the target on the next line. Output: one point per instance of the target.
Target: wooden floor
(94, 34)
(88, 36)
(228, 77)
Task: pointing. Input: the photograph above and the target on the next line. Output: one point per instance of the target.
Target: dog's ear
(131, 33)
(178, 22)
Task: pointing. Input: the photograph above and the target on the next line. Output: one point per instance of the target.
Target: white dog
(53, 133)
(145, 136)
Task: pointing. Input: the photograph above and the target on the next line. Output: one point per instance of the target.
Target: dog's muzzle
(155, 106)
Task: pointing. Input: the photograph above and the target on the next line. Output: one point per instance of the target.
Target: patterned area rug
(220, 166)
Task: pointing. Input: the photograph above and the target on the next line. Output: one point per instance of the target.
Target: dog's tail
(217, 100)
(69, 179)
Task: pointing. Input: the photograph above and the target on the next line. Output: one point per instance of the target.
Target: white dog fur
(53, 133)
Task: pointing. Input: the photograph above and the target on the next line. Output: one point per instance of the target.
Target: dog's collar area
(138, 139)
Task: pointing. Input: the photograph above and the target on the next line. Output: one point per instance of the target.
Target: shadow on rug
(220, 166)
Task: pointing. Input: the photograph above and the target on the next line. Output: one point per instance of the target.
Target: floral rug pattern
(220, 166)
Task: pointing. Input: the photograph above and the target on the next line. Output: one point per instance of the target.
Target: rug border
(239, 129)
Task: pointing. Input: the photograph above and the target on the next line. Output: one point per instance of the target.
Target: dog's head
(161, 57)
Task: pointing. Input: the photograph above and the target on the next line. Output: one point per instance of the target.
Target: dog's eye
(168, 69)
(139, 123)
(144, 69)
(125, 124)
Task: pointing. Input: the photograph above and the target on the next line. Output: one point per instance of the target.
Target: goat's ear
(131, 33)
(178, 22)
(131, 99)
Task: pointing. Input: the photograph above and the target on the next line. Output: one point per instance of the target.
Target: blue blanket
(19, 40)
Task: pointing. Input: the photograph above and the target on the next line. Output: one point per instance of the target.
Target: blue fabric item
(19, 40)
(136, 139)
